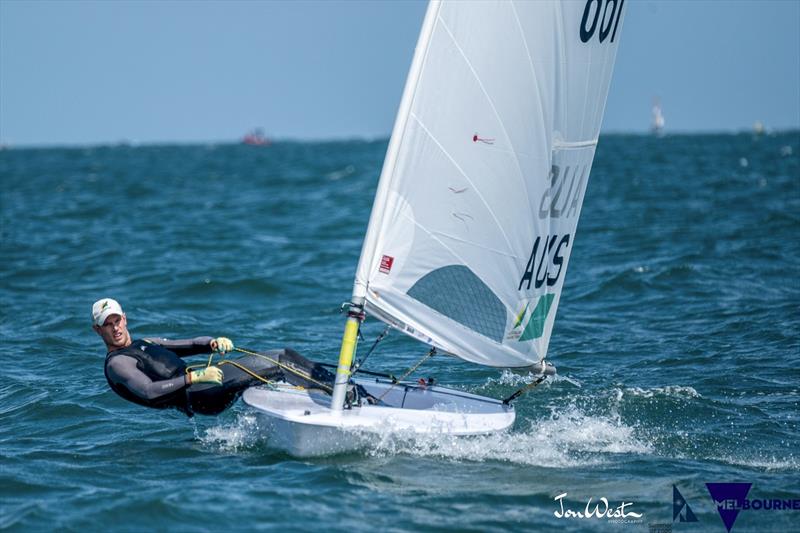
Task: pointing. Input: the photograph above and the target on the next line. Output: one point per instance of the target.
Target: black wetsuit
(151, 372)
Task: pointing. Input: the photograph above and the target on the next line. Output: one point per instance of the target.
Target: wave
(567, 438)
(674, 391)
(241, 434)
(765, 463)
(510, 378)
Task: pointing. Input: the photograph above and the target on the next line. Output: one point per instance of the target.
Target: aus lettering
(607, 22)
(545, 263)
(563, 197)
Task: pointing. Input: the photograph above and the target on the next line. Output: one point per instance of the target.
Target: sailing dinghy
(474, 217)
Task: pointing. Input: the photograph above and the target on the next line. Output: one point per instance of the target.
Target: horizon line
(354, 138)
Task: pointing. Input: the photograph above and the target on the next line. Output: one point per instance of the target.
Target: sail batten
(478, 202)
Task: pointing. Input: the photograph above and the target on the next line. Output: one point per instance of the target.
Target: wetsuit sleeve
(185, 347)
(122, 370)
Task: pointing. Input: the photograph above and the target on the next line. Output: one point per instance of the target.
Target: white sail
(478, 202)
(657, 124)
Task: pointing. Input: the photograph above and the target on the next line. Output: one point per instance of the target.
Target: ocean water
(677, 342)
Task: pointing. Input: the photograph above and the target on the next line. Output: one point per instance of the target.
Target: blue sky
(86, 72)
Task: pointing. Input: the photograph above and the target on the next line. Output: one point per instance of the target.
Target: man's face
(114, 332)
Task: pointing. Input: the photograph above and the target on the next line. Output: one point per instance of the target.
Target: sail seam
(456, 165)
(434, 237)
(533, 69)
(587, 80)
(599, 110)
(498, 252)
(561, 40)
(494, 110)
(566, 145)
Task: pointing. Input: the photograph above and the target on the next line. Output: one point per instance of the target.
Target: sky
(93, 72)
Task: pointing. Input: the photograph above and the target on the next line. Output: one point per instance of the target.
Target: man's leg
(305, 367)
(211, 399)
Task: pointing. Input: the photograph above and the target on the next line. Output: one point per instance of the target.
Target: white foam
(339, 174)
(768, 464)
(271, 239)
(231, 437)
(676, 391)
(568, 438)
(515, 379)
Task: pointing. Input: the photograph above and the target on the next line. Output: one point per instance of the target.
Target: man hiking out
(151, 371)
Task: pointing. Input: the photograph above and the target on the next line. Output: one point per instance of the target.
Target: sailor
(151, 371)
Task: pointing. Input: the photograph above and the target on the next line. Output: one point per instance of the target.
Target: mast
(355, 314)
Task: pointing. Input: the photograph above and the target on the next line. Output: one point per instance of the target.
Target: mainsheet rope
(325, 387)
(277, 363)
(530, 386)
(411, 370)
(372, 349)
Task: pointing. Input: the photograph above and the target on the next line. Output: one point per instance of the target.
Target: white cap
(102, 309)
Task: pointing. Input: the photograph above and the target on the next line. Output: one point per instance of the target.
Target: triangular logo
(680, 508)
(729, 499)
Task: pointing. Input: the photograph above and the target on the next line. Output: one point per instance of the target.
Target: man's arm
(122, 370)
(184, 347)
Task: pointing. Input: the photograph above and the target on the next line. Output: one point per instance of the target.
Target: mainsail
(477, 206)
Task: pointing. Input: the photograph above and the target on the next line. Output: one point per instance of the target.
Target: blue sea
(677, 342)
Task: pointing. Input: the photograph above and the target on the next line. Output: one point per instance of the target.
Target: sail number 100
(612, 11)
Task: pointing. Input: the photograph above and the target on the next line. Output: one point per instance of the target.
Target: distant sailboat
(657, 124)
(256, 138)
(474, 217)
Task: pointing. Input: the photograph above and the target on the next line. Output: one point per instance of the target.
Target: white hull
(301, 422)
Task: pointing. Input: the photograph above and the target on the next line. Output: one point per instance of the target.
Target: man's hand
(209, 374)
(222, 345)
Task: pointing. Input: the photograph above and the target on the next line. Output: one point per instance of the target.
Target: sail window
(456, 292)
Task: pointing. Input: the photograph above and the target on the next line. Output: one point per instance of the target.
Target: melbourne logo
(729, 498)
(681, 509)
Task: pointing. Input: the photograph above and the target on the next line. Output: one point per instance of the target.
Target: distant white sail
(478, 202)
(657, 124)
